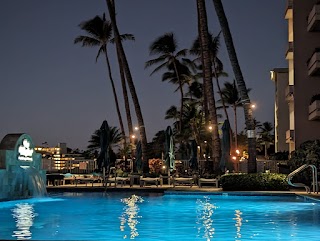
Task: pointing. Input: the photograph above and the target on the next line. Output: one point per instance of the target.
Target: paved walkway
(97, 187)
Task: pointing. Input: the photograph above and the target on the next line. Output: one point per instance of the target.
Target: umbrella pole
(104, 176)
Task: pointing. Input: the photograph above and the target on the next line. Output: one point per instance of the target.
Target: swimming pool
(99, 216)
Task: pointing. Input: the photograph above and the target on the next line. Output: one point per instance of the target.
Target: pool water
(102, 216)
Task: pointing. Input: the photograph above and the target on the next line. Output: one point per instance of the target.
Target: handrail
(314, 178)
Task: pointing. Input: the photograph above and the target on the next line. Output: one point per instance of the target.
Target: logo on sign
(25, 152)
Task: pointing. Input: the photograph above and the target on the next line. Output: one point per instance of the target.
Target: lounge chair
(122, 180)
(214, 181)
(183, 181)
(150, 180)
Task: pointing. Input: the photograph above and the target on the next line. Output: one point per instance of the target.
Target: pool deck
(97, 187)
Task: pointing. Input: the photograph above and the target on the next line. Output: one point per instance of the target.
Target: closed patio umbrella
(138, 162)
(193, 160)
(225, 148)
(104, 158)
(169, 149)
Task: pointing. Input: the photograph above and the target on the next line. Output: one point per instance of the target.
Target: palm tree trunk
(207, 76)
(235, 127)
(114, 93)
(219, 89)
(222, 100)
(252, 163)
(131, 86)
(125, 96)
(181, 92)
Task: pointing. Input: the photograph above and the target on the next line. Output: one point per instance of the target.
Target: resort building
(281, 108)
(303, 56)
(60, 159)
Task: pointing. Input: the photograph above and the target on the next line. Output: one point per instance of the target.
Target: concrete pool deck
(97, 187)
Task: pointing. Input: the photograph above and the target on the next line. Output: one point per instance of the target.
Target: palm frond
(87, 41)
(182, 52)
(124, 37)
(164, 44)
(158, 68)
(155, 61)
(101, 49)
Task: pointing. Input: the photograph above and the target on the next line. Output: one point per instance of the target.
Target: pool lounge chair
(150, 180)
(182, 181)
(214, 181)
(122, 180)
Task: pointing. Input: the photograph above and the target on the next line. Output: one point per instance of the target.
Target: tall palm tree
(126, 68)
(252, 163)
(217, 66)
(207, 78)
(99, 34)
(166, 47)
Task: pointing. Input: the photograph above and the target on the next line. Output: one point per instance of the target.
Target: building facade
(57, 159)
(303, 56)
(281, 108)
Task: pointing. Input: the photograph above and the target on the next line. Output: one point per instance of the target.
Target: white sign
(25, 152)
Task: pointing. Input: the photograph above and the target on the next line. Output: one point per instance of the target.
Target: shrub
(254, 182)
(307, 153)
(281, 155)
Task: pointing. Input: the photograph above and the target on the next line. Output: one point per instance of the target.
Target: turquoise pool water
(98, 216)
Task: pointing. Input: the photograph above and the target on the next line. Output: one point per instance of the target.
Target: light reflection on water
(24, 215)
(130, 215)
(238, 224)
(205, 211)
(95, 216)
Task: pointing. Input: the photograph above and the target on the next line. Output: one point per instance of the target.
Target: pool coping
(179, 190)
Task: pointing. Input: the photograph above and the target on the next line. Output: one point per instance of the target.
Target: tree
(166, 47)
(99, 34)
(214, 44)
(94, 142)
(230, 96)
(207, 78)
(266, 136)
(252, 162)
(127, 72)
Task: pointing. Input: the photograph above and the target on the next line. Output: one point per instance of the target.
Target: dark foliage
(254, 182)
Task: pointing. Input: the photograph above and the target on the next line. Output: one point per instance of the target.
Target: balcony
(289, 136)
(314, 18)
(289, 93)
(314, 110)
(288, 13)
(314, 63)
(289, 53)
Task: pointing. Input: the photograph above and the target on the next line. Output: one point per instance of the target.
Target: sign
(25, 152)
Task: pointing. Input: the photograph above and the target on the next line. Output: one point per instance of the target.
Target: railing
(314, 178)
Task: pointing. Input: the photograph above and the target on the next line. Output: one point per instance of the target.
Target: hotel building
(303, 81)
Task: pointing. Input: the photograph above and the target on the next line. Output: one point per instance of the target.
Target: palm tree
(166, 47)
(94, 142)
(207, 78)
(266, 137)
(230, 96)
(252, 163)
(214, 44)
(127, 72)
(99, 34)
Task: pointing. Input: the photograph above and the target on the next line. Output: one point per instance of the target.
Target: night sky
(54, 91)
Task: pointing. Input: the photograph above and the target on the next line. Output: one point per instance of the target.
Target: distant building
(281, 108)
(303, 55)
(57, 159)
